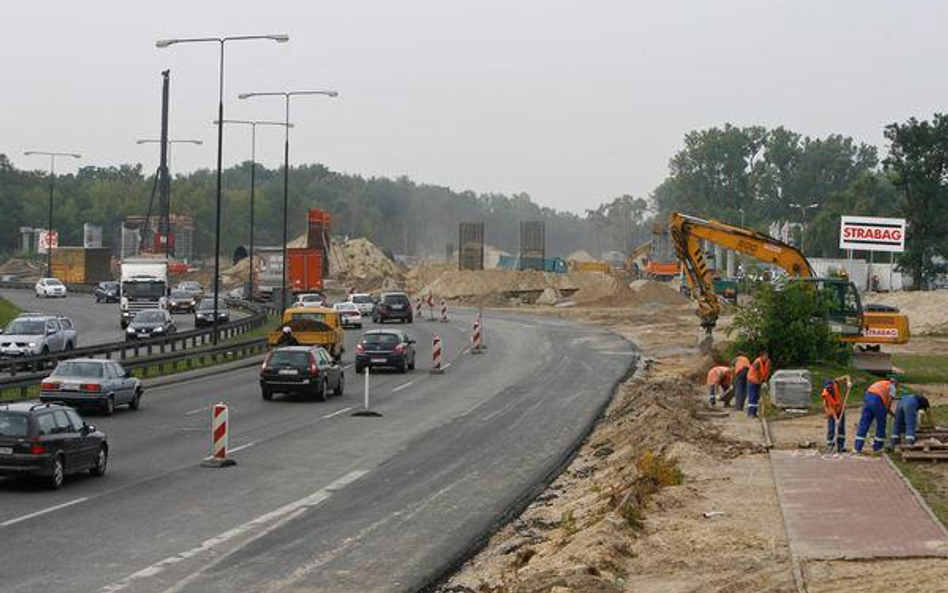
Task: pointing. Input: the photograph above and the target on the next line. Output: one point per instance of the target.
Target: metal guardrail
(76, 288)
(129, 350)
(195, 357)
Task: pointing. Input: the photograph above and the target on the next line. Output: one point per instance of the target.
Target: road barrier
(444, 311)
(436, 356)
(219, 430)
(476, 336)
(367, 409)
(418, 314)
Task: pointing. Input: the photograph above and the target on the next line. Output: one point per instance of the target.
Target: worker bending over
(877, 404)
(757, 375)
(906, 418)
(741, 365)
(834, 406)
(719, 380)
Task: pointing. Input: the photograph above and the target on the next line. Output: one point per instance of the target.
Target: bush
(790, 322)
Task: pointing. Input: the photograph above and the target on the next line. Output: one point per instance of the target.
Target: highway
(320, 500)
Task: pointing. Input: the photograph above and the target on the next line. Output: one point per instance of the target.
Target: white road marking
(241, 448)
(348, 366)
(295, 507)
(198, 411)
(22, 518)
(403, 386)
(338, 412)
(446, 365)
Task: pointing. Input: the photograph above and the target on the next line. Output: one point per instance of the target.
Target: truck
(143, 285)
(546, 264)
(662, 264)
(312, 326)
(304, 269)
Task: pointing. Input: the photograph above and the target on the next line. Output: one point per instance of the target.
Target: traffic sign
(870, 233)
(44, 240)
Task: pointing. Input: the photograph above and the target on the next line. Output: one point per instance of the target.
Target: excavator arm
(687, 234)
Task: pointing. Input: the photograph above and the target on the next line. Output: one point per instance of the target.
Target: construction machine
(638, 259)
(867, 328)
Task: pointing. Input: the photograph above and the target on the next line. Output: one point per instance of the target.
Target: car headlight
(130, 330)
(32, 344)
(158, 329)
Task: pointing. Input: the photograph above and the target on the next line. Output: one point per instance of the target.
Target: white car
(310, 300)
(50, 287)
(363, 302)
(349, 315)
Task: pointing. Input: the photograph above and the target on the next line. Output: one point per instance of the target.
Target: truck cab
(143, 285)
(313, 326)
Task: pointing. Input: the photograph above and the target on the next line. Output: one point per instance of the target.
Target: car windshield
(315, 321)
(54, 282)
(143, 290)
(109, 285)
(381, 341)
(13, 425)
(295, 358)
(74, 368)
(180, 294)
(26, 327)
(396, 299)
(361, 298)
(149, 316)
(345, 307)
(208, 305)
(311, 297)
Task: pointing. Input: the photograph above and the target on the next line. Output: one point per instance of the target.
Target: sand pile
(360, 259)
(26, 269)
(927, 310)
(581, 255)
(425, 273)
(650, 291)
(503, 287)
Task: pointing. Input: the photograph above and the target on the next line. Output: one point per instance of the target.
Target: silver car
(92, 383)
(31, 334)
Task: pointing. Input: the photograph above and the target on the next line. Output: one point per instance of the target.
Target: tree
(918, 166)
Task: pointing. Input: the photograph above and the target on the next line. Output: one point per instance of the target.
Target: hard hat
(286, 329)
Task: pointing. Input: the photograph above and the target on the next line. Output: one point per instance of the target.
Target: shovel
(849, 388)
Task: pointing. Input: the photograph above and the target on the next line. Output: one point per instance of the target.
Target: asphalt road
(97, 323)
(320, 500)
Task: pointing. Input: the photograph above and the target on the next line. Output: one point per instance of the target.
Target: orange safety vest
(832, 400)
(719, 376)
(883, 390)
(759, 371)
(741, 363)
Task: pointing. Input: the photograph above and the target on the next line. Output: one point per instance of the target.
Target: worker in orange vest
(757, 375)
(719, 379)
(741, 365)
(877, 404)
(834, 408)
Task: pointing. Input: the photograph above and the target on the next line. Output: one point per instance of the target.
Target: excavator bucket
(876, 362)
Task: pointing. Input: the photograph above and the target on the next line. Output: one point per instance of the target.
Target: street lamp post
(52, 180)
(168, 188)
(286, 164)
(803, 208)
(253, 174)
(163, 43)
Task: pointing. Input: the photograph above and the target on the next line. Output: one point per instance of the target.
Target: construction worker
(719, 379)
(287, 338)
(877, 404)
(834, 406)
(741, 365)
(906, 418)
(757, 375)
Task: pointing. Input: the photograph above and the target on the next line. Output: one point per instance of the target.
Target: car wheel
(98, 300)
(58, 476)
(101, 462)
(136, 402)
(341, 386)
(403, 368)
(266, 393)
(411, 365)
(359, 369)
(108, 408)
(45, 350)
(69, 346)
(323, 393)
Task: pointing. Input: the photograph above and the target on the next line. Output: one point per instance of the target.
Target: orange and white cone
(219, 431)
(436, 368)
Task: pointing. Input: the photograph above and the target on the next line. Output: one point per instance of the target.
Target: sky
(572, 102)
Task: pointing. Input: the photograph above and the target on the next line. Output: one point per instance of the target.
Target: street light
(286, 164)
(803, 208)
(164, 43)
(253, 173)
(52, 178)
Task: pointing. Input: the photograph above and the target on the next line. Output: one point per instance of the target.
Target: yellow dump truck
(312, 326)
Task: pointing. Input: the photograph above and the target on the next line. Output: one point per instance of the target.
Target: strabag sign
(869, 233)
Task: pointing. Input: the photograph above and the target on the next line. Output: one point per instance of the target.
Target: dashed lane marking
(241, 448)
(337, 412)
(51, 509)
(403, 386)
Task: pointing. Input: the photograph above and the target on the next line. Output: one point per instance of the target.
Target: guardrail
(129, 350)
(196, 357)
(76, 288)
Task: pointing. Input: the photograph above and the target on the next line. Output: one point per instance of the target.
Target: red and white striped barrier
(219, 431)
(436, 368)
(418, 309)
(476, 336)
(444, 311)
(429, 300)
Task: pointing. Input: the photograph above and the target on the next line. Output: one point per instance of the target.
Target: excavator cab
(845, 315)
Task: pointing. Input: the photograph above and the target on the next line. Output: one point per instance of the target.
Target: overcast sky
(573, 102)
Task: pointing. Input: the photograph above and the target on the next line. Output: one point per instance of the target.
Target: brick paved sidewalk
(849, 507)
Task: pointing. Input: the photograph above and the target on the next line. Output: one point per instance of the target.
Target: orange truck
(304, 269)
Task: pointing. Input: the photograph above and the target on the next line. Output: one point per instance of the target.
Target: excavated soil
(927, 310)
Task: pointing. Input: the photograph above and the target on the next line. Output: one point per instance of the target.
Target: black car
(307, 370)
(181, 301)
(106, 292)
(150, 323)
(204, 314)
(49, 441)
(385, 348)
(393, 305)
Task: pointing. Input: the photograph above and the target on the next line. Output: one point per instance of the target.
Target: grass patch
(923, 368)
(655, 472)
(7, 311)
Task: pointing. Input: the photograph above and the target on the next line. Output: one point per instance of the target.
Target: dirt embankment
(927, 310)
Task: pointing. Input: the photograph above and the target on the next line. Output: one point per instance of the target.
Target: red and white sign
(44, 239)
(869, 233)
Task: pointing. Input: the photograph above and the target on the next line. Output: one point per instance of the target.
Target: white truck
(143, 285)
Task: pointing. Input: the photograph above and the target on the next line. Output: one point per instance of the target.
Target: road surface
(320, 500)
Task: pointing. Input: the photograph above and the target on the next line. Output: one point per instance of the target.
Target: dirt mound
(360, 259)
(927, 310)
(650, 291)
(26, 269)
(581, 255)
(425, 273)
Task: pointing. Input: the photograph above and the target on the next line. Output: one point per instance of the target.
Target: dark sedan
(49, 441)
(385, 348)
(301, 369)
(204, 314)
(106, 292)
(150, 323)
(181, 301)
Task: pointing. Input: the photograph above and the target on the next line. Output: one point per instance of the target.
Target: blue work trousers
(873, 410)
(753, 398)
(906, 417)
(832, 434)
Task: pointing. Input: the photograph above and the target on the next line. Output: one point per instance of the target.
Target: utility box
(791, 388)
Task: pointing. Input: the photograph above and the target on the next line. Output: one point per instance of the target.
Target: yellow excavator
(868, 328)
